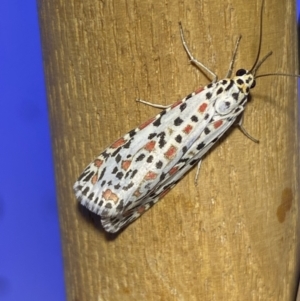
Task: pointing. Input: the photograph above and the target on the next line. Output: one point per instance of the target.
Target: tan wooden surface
(234, 236)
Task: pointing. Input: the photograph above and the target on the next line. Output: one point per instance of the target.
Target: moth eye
(241, 72)
(253, 84)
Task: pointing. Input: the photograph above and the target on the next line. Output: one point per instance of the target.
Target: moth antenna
(279, 74)
(254, 68)
(260, 63)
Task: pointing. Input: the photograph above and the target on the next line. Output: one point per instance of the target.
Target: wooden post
(232, 237)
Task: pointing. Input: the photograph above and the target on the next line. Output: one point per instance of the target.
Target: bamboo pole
(232, 237)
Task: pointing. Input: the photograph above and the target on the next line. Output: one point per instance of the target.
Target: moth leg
(192, 59)
(229, 72)
(243, 130)
(197, 173)
(154, 105)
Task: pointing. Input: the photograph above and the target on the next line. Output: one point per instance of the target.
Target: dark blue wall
(30, 248)
(30, 253)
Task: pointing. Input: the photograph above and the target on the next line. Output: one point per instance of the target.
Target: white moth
(138, 169)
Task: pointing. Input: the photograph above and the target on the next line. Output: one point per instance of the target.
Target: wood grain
(232, 237)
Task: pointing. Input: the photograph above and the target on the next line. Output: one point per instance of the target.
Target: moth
(138, 169)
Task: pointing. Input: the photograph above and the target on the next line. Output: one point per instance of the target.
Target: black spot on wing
(128, 186)
(102, 173)
(83, 175)
(85, 190)
(105, 154)
(132, 133)
(79, 187)
(91, 195)
(189, 96)
(193, 162)
(178, 138)
(119, 175)
(208, 95)
(120, 205)
(159, 165)
(116, 152)
(134, 173)
(128, 173)
(149, 159)
(183, 160)
(178, 121)
(118, 186)
(200, 146)
(182, 106)
(151, 136)
(194, 118)
(140, 157)
(156, 123)
(162, 142)
(162, 176)
(127, 144)
(118, 158)
(206, 131)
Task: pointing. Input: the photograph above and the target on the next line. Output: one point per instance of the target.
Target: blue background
(30, 253)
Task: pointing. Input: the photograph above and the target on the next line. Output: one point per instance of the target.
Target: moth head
(244, 80)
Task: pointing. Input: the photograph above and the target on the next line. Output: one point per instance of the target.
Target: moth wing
(113, 223)
(121, 183)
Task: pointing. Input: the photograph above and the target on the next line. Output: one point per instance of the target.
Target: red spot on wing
(150, 146)
(94, 179)
(218, 123)
(126, 213)
(176, 104)
(199, 90)
(125, 164)
(142, 126)
(141, 210)
(171, 152)
(173, 170)
(187, 129)
(150, 176)
(202, 107)
(164, 193)
(98, 162)
(118, 143)
(137, 193)
(108, 195)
